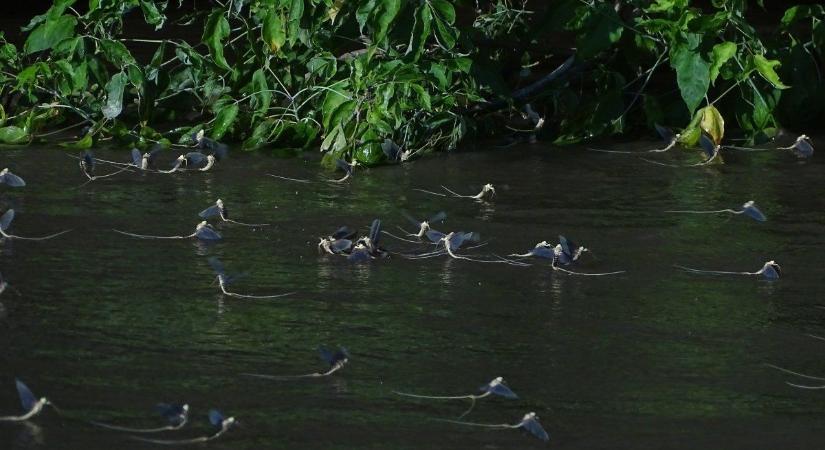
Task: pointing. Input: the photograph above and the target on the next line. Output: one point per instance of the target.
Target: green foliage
(346, 76)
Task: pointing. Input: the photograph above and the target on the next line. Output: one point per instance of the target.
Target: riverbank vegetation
(372, 80)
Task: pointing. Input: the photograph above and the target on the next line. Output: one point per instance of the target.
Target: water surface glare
(106, 325)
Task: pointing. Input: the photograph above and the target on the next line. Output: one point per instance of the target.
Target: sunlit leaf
(766, 68)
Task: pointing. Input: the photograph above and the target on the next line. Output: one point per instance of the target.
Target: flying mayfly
(338, 243)
(488, 192)
(494, 387)
(5, 222)
(749, 209)
(32, 406)
(709, 149)
(219, 209)
(566, 252)
(224, 280)
(88, 167)
(369, 247)
(203, 231)
(530, 423)
(335, 361)
(668, 136)
(176, 416)
(219, 422)
(770, 271)
(802, 147)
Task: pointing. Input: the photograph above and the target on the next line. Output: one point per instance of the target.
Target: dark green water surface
(107, 325)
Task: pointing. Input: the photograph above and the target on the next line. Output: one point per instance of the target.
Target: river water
(106, 325)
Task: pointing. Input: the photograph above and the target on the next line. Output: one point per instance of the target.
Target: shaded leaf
(114, 96)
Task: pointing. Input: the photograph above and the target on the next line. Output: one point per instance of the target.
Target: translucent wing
(13, 180)
(195, 158)
(343, 165)
(472, 237)
(438, 217)
(664, 132)
(216, 417)
(753, 212)
(341, 245)
(771, 272)
(390, 149)
(173, 413)
(804, 148)
(343, 233)
(137, 158)
(534, 427)
(340, 355)
(208, 234)
(212, 211)
(217, 266)
(375, 232)
(707, 145)
(501, 390)
(219, 150)
(325, 355)
(5, 219)
(153, 154)
(456, 240)
(569, 247)
(27, 399)
(89, 158)
(412, 220)
(361, 254)
(435, 236)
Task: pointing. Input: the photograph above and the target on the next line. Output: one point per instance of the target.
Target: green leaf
(720, 54)
(151, 13)
(799, 12)
(224, 120)
(601, 29)
(296, 12)
(53, 13)
(384, 17)
(692, 71)
(445, 34)
(116, 53)
(261, 97)
(84, 143)
(49, 33)
(332, 100)
(335, 140)
(13, 135)
(444, 9)
(421, 31)
(216, 30)
(362, 14)
(765, 67)
(114, 96)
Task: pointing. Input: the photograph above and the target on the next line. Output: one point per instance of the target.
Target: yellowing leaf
(713, 124)
(273, 31)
